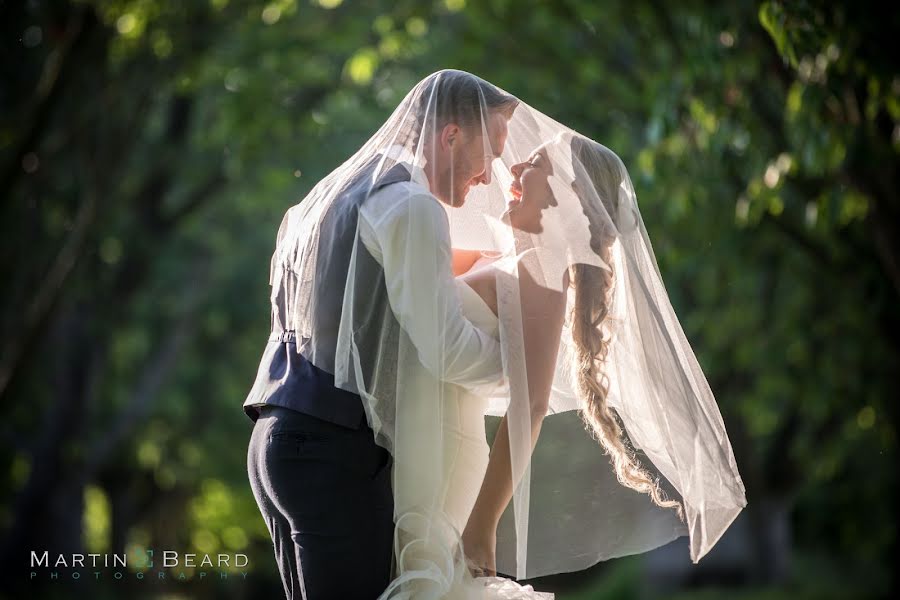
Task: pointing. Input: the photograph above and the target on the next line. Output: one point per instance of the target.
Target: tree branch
(159, 367)
(82, 22)
(48, 292)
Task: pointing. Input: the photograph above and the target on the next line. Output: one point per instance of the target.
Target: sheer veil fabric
(576, 236)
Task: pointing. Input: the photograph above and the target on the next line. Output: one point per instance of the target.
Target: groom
(321, 483)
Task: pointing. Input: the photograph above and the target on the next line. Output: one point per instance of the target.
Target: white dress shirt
(407, 231)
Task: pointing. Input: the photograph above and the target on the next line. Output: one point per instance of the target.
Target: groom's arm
(407, 231)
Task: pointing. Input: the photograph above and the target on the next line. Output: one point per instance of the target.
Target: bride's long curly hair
(599, 169)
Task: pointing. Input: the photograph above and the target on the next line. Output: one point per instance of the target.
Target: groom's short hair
(451, 96)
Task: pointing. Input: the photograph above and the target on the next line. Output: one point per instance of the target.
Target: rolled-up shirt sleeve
(408, 232)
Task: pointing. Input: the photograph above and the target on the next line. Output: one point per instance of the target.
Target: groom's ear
(449, 135)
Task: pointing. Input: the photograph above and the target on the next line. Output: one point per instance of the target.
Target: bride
(573, 275)
(544, 313)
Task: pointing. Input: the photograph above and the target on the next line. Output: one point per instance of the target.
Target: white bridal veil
(611, 427)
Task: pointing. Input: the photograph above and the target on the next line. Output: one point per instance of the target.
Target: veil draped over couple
(474, 374)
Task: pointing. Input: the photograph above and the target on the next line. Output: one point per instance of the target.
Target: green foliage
(157, 144)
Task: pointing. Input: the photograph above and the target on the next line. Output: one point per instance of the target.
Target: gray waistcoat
(285, 377)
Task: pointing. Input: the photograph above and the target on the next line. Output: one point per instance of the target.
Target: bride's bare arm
(543, 313)
(463, 260)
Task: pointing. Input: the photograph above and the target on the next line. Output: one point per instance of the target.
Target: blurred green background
(148, 150)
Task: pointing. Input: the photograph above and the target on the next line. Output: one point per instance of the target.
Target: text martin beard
(170, 559)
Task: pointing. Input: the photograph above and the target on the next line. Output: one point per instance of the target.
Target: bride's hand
(480, 547)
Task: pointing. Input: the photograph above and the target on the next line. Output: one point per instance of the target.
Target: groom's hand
(480, 547)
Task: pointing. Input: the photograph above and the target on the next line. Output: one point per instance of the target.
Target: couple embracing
(476, 262)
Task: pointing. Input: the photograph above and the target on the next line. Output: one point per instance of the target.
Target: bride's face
(530, 190)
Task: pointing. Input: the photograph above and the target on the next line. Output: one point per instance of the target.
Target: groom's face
(471, 155)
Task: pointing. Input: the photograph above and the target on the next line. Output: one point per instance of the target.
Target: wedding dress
(466, 453)
(466, 449)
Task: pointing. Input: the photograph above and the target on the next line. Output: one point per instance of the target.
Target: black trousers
(325, 493)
